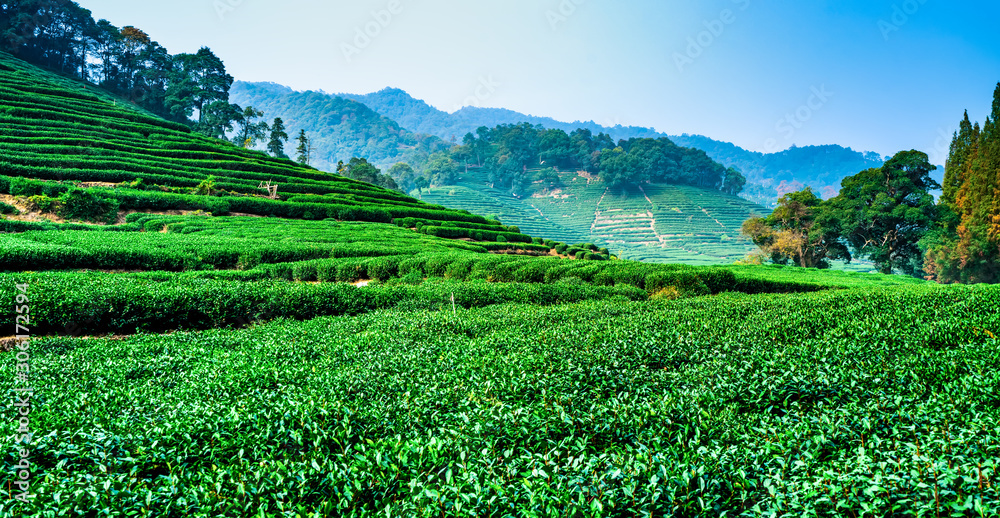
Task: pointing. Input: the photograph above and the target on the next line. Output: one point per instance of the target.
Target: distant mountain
(417, 115)
(769, 175)
(339, 128)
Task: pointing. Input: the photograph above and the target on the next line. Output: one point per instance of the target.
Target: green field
(659, 223)
(345, 350)
(64, 138)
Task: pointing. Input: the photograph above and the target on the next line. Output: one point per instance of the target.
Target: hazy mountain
(417, 115)
(769, 174)
(339, 128)
(339, 119)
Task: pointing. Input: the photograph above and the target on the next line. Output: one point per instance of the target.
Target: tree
(619, 168)
(421, 183)
(249, 131)
(133, 43)
(549, 179)
(217, 119)
(106, 38)
(734, 182)
(801, 230)
(477, 147)
(359, 169)
(276, 145)
(200, 80)
(886, 211)
(441, 169)
(404, 175)
(304, 150)
(556, 149)
(965, 246)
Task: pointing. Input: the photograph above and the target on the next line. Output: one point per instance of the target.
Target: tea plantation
(659, 223)
(362, 353)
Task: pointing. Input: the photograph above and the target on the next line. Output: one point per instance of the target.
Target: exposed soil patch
(7, 343)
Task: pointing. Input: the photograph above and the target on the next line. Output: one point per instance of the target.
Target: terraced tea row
(661, 223)
(816, 404)
(60, 136)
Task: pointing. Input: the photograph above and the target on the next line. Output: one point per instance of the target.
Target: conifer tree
(276, 146)
(966, 246)
(302, 152)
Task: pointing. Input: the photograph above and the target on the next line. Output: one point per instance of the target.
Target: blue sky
(880, 75)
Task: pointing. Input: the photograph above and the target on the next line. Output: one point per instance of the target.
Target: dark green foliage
(276, 144)
(86, 206)
(885, 212)
(661, 408)
(6, 208)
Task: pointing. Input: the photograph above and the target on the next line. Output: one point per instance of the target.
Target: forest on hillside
(189, 88)
(516, 156)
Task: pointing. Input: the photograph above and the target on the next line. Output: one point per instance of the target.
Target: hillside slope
(657, 223)
(417, 115)
(71, 152)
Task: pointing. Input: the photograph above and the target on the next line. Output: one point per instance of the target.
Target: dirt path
(540, 213)
(713, 219)
(597, 211)
(652, 217)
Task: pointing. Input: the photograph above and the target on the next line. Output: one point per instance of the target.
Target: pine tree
(302, 152)
(276, 146)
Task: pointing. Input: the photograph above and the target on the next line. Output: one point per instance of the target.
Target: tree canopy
(965, 246)
(881, 214)
(62, 36)
(799, 230)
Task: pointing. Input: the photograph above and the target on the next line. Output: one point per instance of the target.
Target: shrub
(85, 206)
(351, 271)
(8, 209)
(326, 271)
(42, 203)
(383, 268)
(304, 271)
(668, 293)
(501, 239)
